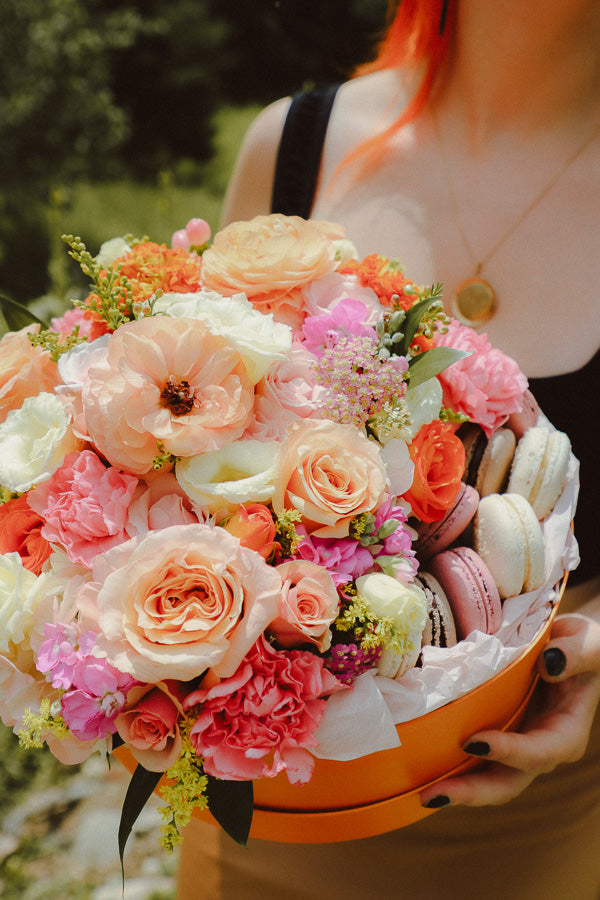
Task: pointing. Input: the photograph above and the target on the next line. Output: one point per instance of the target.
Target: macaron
(470, 589)
(487, 460)
(508, 537)
(519, 422)
(433, 537)
(440, 630)
(539, 468)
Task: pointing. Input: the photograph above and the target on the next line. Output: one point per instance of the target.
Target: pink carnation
(84, 506)
(259, 722)
(487, 386)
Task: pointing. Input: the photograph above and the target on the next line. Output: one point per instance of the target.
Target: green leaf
(432, 362)
(232, 805)
(411, 323)
(140, 789)
(14, 316)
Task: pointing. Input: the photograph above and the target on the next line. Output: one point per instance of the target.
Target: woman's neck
(525, 66)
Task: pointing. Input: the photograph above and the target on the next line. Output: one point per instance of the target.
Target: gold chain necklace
(474, 300)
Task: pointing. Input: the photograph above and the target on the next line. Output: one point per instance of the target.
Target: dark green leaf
(140, 789)
(14, 316)
(411, 323)
(232, 805)
(432, 362)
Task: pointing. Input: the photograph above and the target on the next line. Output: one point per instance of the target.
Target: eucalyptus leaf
(232, 804)
(430, 363)
(14, 316)
(140, 789)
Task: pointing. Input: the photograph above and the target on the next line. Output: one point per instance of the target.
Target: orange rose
(25, 371)
(439, 460)
(254, 526)
(20, 532)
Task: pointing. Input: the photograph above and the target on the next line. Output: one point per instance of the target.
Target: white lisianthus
(259, 340)
(241, 472)
(405, 605)
(20, 593)
(399, 466)
(112, 250)
(424, 403)
(34, 441)
(345, 251)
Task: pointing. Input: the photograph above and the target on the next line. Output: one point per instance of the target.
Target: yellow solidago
(36, 726)
(51, 341)
(163, 457)
(370, 630)
(286, 530)
(185, 791)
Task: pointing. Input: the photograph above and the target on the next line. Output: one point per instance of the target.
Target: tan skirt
(545, 845)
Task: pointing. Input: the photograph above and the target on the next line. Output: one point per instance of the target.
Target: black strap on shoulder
(300, 151)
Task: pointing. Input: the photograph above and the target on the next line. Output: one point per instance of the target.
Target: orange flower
(20, 532)
(384, 277)
(439, 460)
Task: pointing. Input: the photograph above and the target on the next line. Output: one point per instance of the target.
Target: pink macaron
(433, 537)
(519, 422)
(470, 589)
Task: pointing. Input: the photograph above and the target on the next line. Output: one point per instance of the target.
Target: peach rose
(439, 459)
(330, 473)
(179, 601)
(309, 604)
(254, 526)
(165, 380)
(24, 370)
(149, 724)
(268, 258)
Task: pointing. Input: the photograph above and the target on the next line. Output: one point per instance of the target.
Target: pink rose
(84, 506)
(166, 380)
(269, 258)
(159, 503)
(149, 724)
(487, 386)
(259, 721)
(25, 371)
(309, 604)
(254, 526)
(330, 473)
(322, 295)
(179, 601)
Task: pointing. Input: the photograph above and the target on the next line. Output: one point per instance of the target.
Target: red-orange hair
(419, 35)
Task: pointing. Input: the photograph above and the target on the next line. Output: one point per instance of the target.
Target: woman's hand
(556, 727)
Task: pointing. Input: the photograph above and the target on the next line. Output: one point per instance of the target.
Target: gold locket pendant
(474, 302)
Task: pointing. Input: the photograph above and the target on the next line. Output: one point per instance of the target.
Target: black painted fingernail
(478, 748)
(555, 661)
(437, 802)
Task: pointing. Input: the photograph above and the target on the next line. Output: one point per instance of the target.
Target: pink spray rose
(254, 526)
(487, 386)
(84, 506)
(149, 724)
(179, 601)
(169, 381)
(309, 604)
(259, 721)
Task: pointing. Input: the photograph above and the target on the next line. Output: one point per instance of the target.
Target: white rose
(404, 604)
(241, 472)
(259, 340)
(112, 250)
(423, 403)
(34, 441)
(20, 593)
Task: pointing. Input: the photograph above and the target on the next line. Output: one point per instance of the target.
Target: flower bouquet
(216, 470)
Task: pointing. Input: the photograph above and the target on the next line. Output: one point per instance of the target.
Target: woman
(494, 173)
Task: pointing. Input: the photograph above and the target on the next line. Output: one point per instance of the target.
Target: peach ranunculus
(487, 385)
(253, 524)
(268, 258)
(149, 724)
(20, 532)
(309, 604)
(331, 473)
(178, 602)
(166, 382)
(439, 459)
(24, 370)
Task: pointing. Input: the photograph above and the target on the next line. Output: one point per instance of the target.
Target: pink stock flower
(165, 381)
(261, 720)
(308, 605)
(346, 319)
(149, 724)
(84, 506)
(487, 386)
(344, 558)
(97, 695)
(62, 650)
